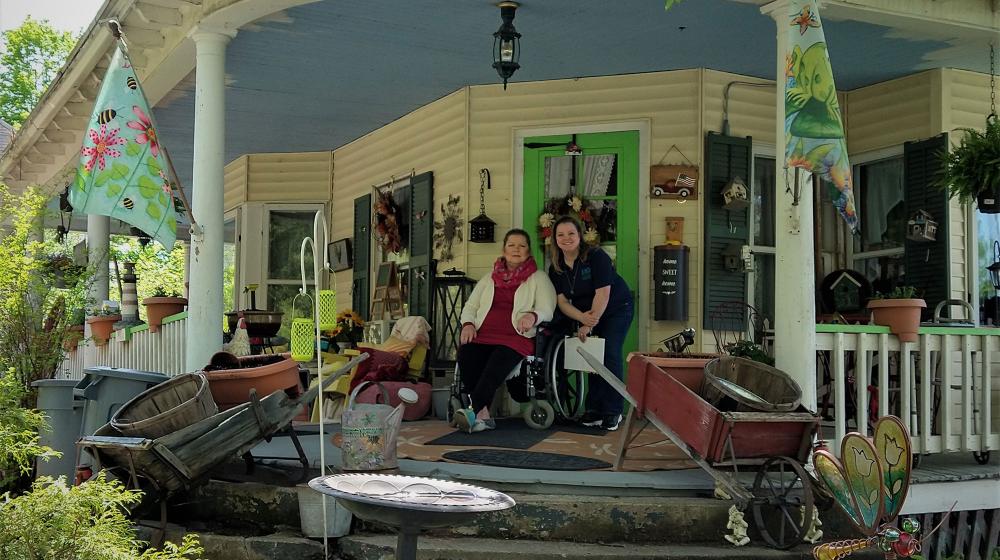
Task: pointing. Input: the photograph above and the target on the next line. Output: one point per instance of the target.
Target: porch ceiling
(320, 75)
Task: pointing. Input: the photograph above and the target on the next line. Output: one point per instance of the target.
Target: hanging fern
(973, 167)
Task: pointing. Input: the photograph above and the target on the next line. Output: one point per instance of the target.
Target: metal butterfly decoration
(870, 483)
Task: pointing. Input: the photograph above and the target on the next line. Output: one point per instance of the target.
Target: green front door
(606, 176)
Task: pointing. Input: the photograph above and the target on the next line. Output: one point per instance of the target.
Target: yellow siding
(751, 106)
(966, 102)
(234, 183)
(890, 113)
(289, 177)
(431, 138)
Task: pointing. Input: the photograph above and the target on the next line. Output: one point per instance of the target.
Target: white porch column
(98, 245)
(795, 317)
(204, 324)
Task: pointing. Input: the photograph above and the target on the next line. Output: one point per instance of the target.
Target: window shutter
(926, 265)
(421, 244)
(725, 157)
(360, 286)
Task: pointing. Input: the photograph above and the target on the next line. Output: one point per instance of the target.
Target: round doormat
(518, 459)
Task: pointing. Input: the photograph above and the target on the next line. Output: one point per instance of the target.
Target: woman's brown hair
(556, 254)
(516, 231)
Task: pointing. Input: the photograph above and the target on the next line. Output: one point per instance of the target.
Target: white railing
(134, 348)
(942, 386)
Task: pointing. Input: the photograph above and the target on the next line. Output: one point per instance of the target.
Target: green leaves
(133, 149)
(154, 210)
(147, 187)
(973, 166)
(113, 190)
(153, 166)
(670, 4)
(33, 55)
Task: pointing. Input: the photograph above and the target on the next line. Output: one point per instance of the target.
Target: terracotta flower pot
(158, 308)
(231, 380)
(101, 327)
(74, 335)
(902, 316)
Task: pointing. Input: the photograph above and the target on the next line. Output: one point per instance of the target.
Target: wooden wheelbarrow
(183, 459)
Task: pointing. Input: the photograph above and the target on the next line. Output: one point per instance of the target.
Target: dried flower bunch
(571, 205)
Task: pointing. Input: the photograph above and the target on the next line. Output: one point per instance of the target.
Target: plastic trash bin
(105, 389)
(65, 413)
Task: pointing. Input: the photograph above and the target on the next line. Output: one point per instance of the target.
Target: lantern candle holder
(482, 228)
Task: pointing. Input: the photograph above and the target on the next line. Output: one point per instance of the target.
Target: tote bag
(369, 433)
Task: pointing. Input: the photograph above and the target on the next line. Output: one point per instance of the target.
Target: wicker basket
(740, 385)
(166, 408)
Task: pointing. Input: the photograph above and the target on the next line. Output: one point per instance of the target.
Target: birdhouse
(736, 195)
(481, 229)
(921, 227)
(732, 258)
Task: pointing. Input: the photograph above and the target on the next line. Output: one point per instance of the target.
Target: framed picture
(339, 254)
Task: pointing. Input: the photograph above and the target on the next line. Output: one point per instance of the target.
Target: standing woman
(590, 292)
(498, 326)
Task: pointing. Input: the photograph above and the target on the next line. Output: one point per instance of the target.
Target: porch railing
(942, 386)
(135, 348)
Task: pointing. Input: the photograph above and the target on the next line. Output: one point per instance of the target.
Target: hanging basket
(989, 201)
(327, 310)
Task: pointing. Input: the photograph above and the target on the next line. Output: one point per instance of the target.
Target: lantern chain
(484, 175)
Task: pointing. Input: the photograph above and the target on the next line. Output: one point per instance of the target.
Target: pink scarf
(506, 278)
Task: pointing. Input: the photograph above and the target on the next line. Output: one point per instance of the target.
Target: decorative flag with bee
(814, 127)
(123, 170)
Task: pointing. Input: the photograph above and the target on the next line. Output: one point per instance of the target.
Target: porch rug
(526, 460)
(650, 452)
(510, 433)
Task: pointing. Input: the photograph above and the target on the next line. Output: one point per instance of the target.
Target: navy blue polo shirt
(579, 283)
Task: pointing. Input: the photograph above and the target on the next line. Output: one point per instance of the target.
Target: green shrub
(58, 522)
(18, 433)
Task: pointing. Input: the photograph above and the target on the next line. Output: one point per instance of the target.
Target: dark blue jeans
(613, 327)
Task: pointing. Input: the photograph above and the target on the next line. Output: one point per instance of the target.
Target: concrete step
(258, 509)
(382, 547)
(277, 546)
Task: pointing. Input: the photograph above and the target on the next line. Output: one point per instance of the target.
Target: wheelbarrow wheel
(782, 502)
(981, 458)
(539, 414)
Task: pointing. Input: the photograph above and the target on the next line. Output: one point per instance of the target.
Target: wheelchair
(549, 391)
(539, 382)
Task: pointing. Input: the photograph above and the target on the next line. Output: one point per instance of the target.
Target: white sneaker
(483, 425)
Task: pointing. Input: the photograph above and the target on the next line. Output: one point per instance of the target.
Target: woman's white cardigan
(535, 295)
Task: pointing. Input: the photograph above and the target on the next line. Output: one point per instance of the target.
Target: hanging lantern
(921, 227)
(732, 258)
(736, 195)
(506, 43)
(481, 227)
(994, 269)
(143, 237)
(327, 310)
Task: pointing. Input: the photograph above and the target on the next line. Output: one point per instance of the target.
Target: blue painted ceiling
(323, 74)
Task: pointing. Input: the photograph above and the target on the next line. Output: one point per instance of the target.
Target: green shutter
(725, 157)
(421, 244)
(926, 264)
(360, 286)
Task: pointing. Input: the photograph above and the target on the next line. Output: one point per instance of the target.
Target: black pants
(613, 327)
(483, 368)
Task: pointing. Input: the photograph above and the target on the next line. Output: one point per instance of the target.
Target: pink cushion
(373, 395)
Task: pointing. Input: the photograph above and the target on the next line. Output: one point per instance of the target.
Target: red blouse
(497, 327)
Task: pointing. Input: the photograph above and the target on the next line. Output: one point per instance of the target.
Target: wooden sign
(387, 296)
(673, 182)
(675, 230)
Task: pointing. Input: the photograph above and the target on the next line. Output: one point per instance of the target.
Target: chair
(735, 322)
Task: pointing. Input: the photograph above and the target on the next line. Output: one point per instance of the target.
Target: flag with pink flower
(123, 170)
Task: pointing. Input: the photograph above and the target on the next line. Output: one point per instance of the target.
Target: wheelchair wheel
(566, 387)
(538, 414)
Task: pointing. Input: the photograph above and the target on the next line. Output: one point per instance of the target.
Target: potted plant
(102, 324)
(971, 171)
(163, 303)
(899, 310)
(349, 329)
(74, 332)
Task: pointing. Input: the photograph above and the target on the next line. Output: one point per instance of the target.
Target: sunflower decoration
(570, 205)
(448, 231)
(349, 327)
(387, 222)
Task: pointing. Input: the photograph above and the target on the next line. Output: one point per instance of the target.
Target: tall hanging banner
(814, 127)
(123, 171)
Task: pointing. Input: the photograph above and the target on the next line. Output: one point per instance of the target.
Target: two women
(498, 326)
(591, 293)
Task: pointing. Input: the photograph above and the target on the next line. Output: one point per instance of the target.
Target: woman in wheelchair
(591, 293)
(498, 326)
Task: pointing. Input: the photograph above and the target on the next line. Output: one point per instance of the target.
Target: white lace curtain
(594, 182)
